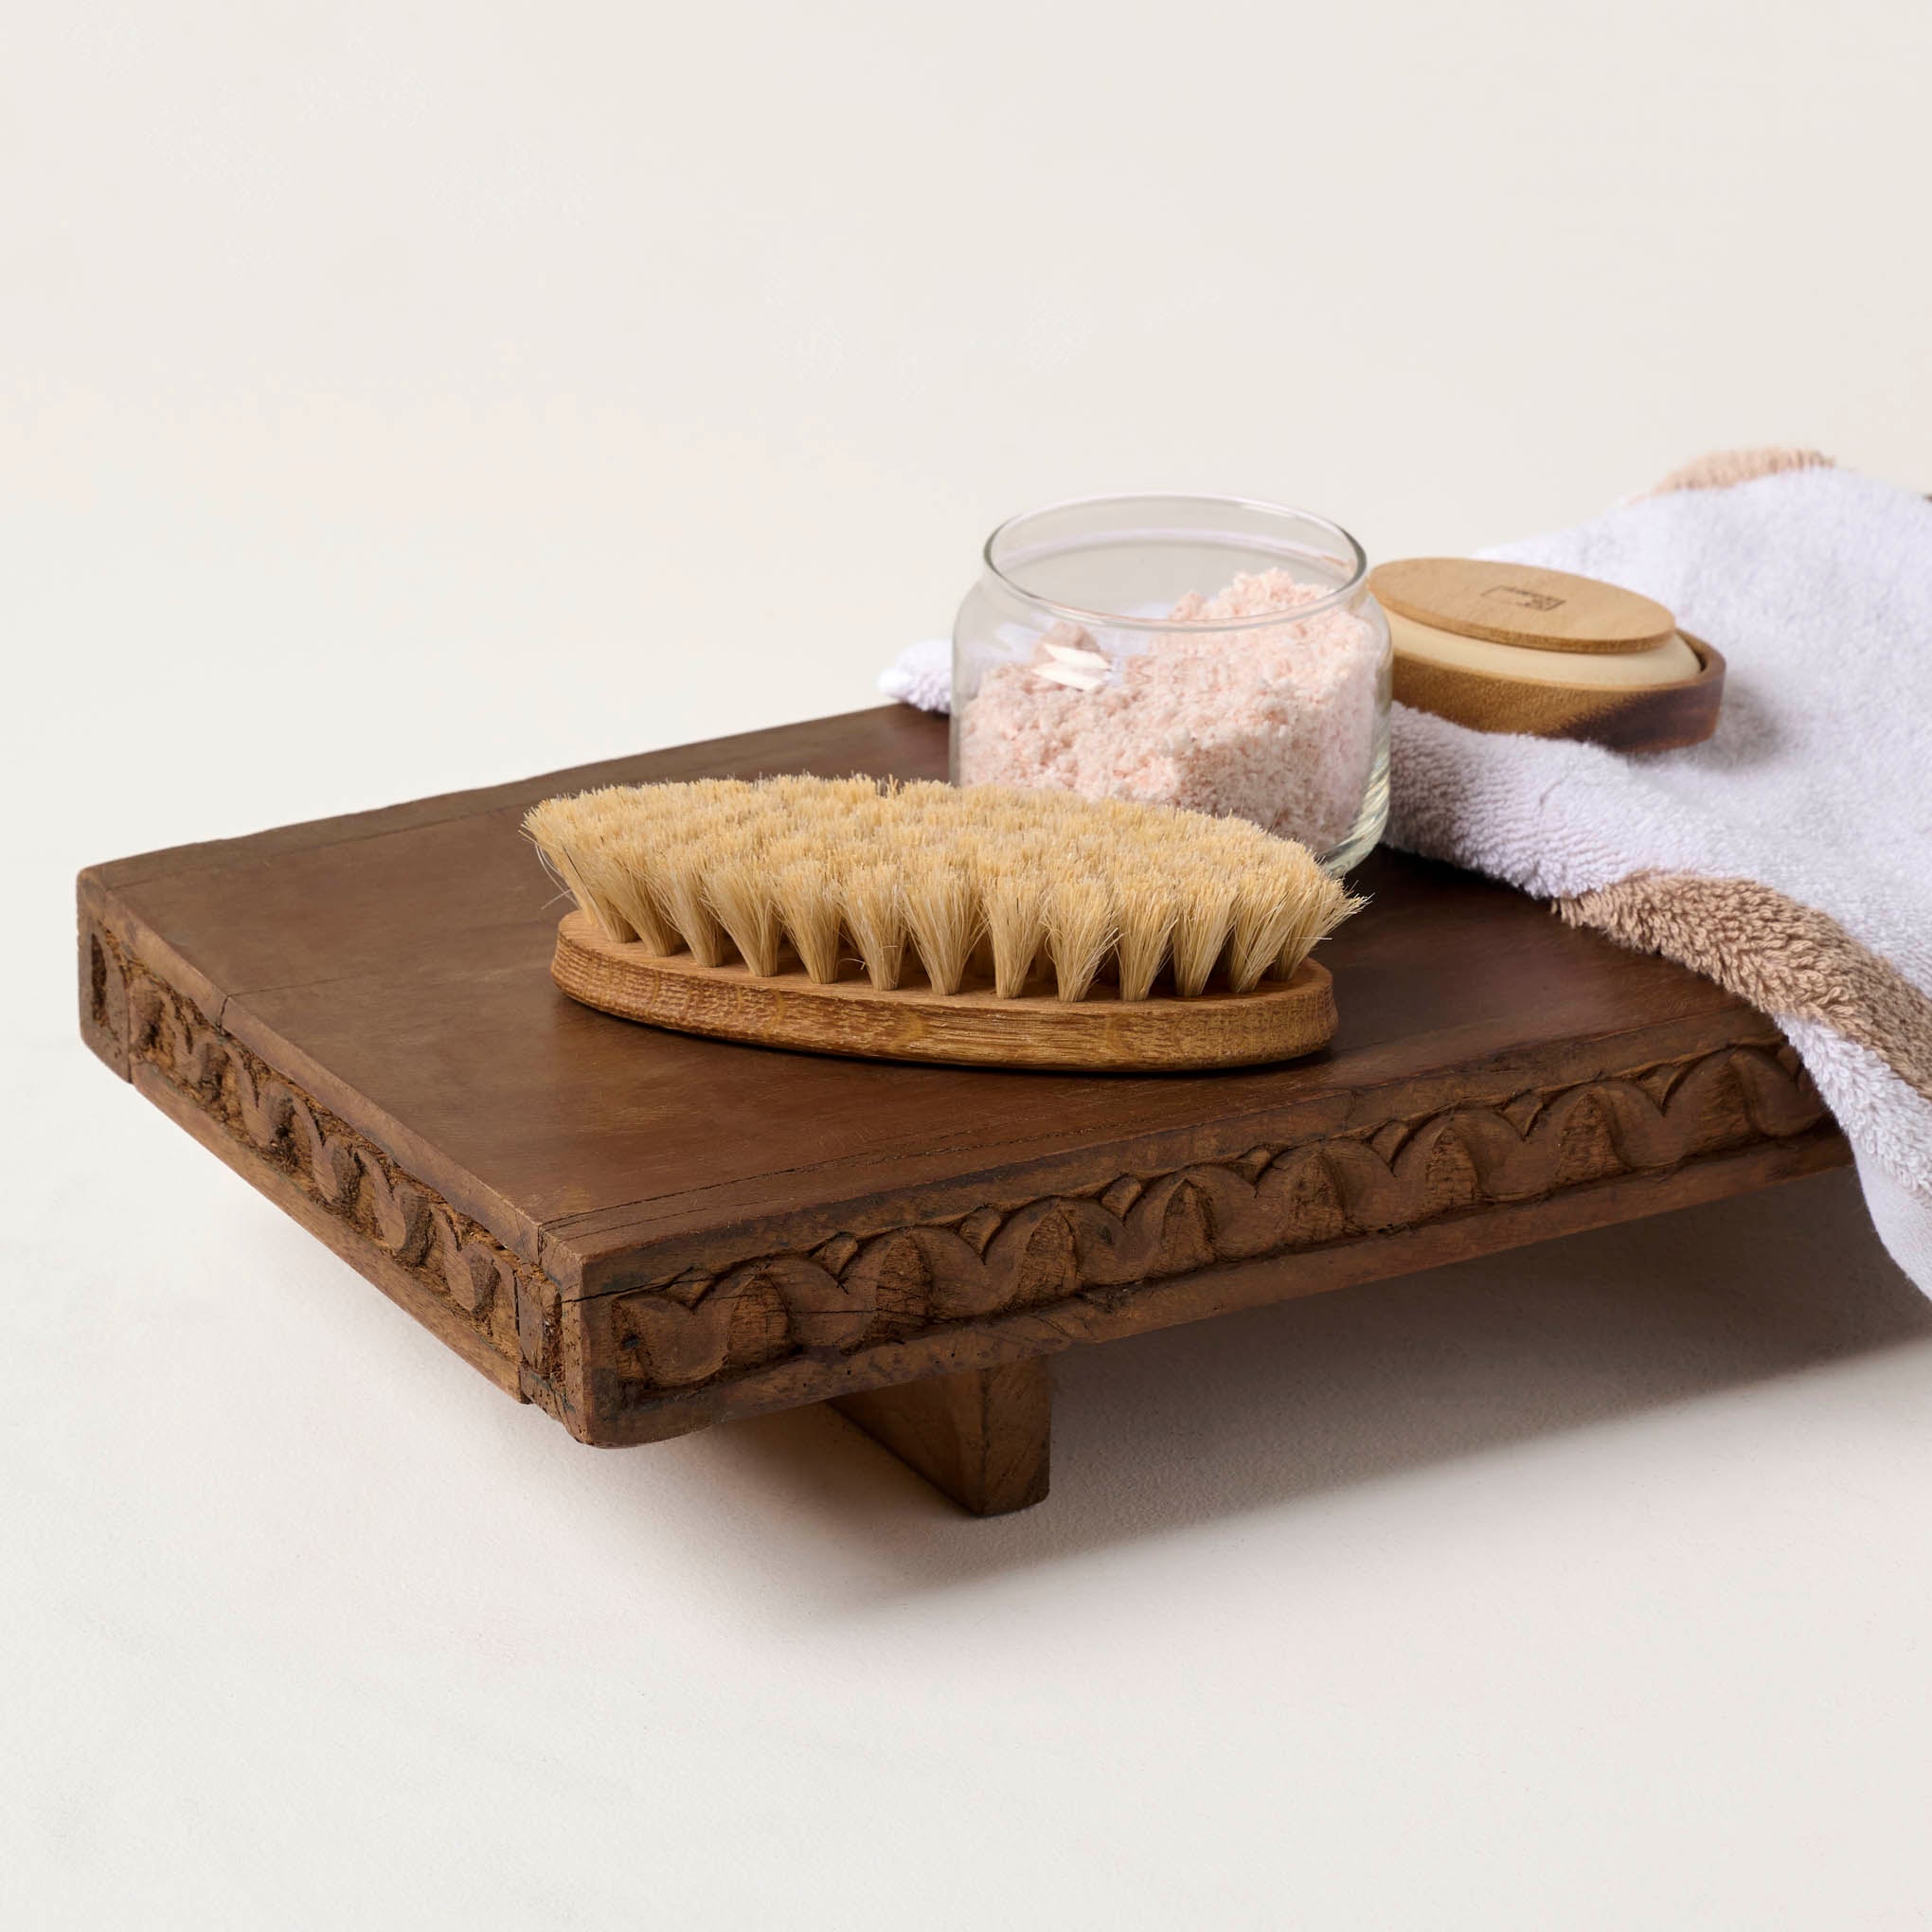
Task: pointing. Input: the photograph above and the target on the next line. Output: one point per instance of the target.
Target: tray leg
(979, 1436)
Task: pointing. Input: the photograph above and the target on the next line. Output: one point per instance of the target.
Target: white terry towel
(1790, 857)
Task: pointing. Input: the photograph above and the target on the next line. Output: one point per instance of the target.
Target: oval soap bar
(1520, 604)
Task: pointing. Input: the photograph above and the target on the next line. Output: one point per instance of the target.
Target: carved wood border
(478, 1291)
(704, 1329)
(785, 1327)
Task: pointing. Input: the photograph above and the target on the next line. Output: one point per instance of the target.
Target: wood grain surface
(981, 1436)
(647, 1231)
(1520, 603)
(1279, 1020)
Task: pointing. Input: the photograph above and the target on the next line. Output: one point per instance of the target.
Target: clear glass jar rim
(1115, 622)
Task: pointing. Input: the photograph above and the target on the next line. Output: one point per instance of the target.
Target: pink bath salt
(1276, 723)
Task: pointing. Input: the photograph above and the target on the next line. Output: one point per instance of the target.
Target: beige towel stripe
(1786, 958)
(1723, 468)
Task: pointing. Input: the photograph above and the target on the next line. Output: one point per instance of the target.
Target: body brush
(923, 921)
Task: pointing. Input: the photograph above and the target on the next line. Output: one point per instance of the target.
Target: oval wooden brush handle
(1280, 1020)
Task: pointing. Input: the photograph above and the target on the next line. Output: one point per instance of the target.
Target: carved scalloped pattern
(850, 1293)
(854, 1292)
(457, 1260)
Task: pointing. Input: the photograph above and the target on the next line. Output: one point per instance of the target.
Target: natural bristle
(1204, 912)
(1079, 934)
(1014, 928)
(806, 898)
(868, 898)
(739, 891)
(942, 911)
(685, 901)
(1144, 912)
(985, 889)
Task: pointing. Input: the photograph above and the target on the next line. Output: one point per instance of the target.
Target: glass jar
(1197, 650)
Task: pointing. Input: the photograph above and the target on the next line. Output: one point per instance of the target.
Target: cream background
(404, 397)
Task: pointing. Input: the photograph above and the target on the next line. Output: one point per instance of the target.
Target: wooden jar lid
(1518, 603)
(1509, 647)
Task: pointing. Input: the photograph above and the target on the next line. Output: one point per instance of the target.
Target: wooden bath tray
(645, 1233)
